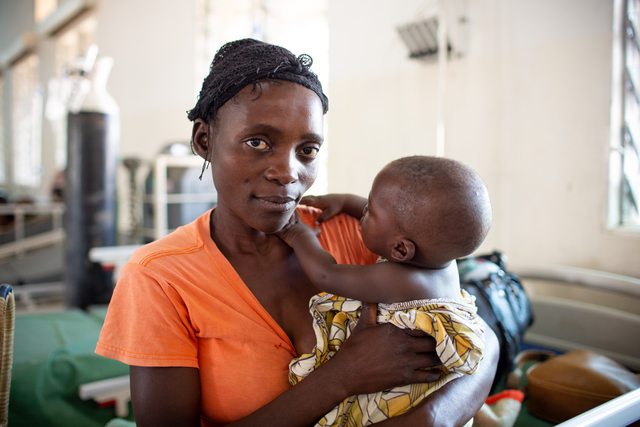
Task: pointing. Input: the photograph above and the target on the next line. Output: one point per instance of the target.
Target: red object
(506, 394)
(106, 404)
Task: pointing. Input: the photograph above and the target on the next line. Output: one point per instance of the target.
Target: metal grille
(630, 191)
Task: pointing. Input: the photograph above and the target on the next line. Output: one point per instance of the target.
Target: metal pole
(442, 76)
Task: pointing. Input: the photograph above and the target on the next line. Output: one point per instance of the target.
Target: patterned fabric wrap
(452, 322)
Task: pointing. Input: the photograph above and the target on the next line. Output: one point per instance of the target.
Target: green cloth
(53, 355)
(119, 422)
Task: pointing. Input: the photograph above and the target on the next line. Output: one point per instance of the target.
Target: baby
(422, 214)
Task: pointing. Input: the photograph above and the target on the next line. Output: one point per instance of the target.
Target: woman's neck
(233, 236)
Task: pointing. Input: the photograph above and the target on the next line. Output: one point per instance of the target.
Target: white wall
(153, 47)
(153, 78)
(527, 106)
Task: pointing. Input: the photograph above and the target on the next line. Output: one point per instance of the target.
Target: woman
(210, 316)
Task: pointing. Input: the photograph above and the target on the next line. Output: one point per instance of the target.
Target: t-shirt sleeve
(147, 323)
(340, 236)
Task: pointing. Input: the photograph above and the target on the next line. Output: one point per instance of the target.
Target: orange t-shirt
(179, 303)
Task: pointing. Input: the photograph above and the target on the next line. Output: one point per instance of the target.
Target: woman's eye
(258, 144)
(310, 151)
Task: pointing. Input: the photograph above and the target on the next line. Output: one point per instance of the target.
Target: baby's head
(426, 211)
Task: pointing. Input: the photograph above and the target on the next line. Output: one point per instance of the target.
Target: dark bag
(502, 303)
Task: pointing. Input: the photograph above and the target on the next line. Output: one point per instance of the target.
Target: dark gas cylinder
(90, 197)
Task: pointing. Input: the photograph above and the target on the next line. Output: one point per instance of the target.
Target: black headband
(243, 62)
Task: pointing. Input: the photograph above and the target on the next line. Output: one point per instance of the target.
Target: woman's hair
(243, 62)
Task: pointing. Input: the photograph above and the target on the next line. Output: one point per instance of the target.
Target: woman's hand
(379, 357)
(295, 228)
(443, 408)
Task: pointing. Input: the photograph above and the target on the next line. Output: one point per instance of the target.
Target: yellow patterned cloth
(453, 323)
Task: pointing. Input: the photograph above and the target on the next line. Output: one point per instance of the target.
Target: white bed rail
(583, 276)
(618, 412)
(576, 308)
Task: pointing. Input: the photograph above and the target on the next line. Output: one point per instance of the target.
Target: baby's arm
(384, 282)
(333, 204)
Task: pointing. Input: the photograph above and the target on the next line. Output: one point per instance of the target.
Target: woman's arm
(165, 396)
(171, 396)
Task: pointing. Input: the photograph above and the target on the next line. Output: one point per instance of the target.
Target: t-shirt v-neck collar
(236, 281)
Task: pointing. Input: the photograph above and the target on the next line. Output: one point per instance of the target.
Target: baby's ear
(403, 250)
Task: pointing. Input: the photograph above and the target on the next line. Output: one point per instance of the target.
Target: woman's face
(264, 153)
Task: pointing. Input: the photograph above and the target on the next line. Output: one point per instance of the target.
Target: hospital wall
(527, 106)
(153, 78)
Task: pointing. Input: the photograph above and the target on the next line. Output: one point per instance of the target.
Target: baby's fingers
(312, 201)
(325, 215)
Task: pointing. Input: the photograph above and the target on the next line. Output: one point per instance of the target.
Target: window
(624, 172)
(27, 122)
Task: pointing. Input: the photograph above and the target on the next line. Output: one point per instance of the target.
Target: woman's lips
(277, 203)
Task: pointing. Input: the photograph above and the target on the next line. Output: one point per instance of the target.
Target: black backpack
(502, 303)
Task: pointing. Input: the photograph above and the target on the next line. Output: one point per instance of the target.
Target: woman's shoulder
(186, 239)
(308, 214)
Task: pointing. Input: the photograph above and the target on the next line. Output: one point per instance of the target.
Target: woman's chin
(270, 226)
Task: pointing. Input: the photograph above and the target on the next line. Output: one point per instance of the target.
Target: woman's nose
(283, 168)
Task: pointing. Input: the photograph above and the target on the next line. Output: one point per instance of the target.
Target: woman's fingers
(398, 359)
(427, 375)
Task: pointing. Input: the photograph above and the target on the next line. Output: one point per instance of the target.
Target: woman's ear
(200, 138)
(403, 250)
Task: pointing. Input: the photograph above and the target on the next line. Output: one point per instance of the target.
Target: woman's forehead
(269, 102)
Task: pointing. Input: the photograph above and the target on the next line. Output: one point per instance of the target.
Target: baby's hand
(295, 228)
(330, 204)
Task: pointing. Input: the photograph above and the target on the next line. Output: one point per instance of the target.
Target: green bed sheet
(52, 356)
